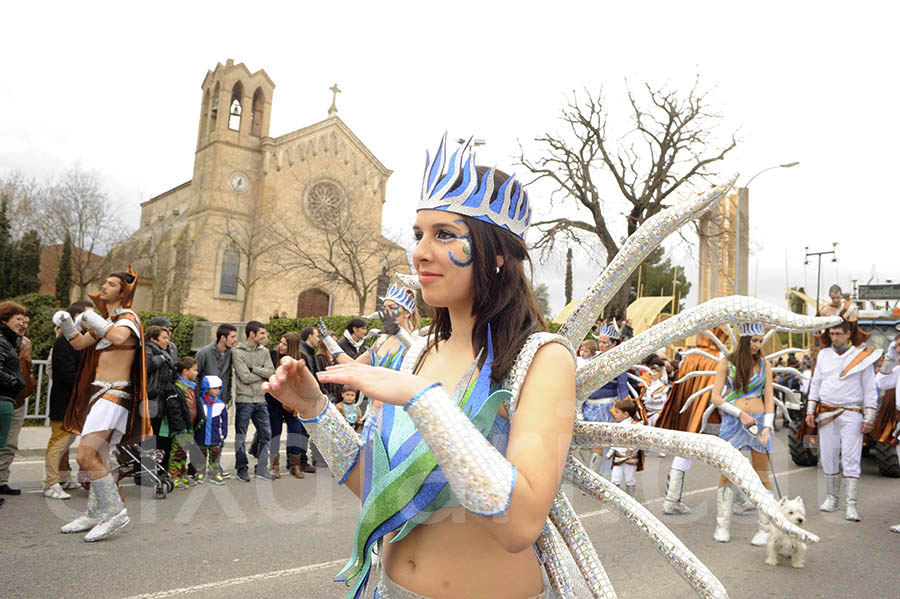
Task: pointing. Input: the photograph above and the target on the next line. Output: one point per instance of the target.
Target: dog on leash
(782, 544)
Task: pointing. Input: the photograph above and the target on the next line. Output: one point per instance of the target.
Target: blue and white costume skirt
(598, 410)
(733, 431)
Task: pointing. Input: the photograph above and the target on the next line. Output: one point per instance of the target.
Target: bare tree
(345, 249)
(26, 201)
(670, 146)
(79, 205)
(250, 235)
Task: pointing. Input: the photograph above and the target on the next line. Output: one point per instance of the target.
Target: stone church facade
(235, 242)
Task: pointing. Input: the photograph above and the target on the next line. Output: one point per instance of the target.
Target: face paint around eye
(466, 240)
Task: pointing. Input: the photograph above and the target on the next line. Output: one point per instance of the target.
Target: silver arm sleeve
(769, 421)
(96, 323)
(330, 344)
(480, 477)
(730, 409)
(337, 441)
(404, 337)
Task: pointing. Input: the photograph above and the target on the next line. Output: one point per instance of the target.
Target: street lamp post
(742, 224)
(818, 255)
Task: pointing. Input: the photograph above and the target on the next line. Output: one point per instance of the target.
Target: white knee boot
(672, 504)
(724, 504)
(761, 538)
(851, 496)
(832, 492)
(111, 510)
(87, 520)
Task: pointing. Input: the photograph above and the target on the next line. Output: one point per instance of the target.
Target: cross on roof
(335, 90)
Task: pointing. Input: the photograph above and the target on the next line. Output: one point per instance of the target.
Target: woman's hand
(380, 384)
(747, 419)
(295, 387)
(764, 436)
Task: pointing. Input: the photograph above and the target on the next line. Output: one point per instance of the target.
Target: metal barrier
(37, 405)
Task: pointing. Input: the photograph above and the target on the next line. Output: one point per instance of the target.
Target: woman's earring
(497, 271)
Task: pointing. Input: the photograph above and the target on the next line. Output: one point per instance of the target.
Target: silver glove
(96, 323)
(63, 320)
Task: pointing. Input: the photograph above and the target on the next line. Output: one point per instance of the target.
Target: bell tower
(235, 112)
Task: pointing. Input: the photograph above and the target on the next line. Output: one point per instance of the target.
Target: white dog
(783, 544)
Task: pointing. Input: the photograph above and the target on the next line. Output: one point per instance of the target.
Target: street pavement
(288, 538)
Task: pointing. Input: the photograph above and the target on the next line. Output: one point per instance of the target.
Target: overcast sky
(117, 89)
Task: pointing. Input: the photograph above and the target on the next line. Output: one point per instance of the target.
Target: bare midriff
(452, 555)
(116, 365)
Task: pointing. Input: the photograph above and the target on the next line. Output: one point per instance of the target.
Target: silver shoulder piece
(516, 376)
(133, 325)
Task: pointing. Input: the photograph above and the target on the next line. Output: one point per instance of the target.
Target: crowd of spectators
(188, 400)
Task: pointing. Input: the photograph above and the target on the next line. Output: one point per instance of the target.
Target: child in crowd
(626, 462)
(210, 437)
(586, 351)
(184, 413)
(349, 408)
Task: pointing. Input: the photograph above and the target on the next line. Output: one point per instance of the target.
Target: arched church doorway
(312, 302)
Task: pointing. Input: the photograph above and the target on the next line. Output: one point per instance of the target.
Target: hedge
(42, 334)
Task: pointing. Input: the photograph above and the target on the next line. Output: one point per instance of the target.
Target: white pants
(840, 445)
(682, 464)
(624, 472)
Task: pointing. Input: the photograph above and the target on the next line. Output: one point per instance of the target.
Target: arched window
(231, 265)
(214, 108)
(234, 107)
(257, 116)
(312, 302)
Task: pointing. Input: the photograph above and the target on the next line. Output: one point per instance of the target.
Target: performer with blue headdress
(743, 393)
(597, 407)
(479, 420)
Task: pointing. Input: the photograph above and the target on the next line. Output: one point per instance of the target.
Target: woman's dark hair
(502, 299)
(154, 332)
(293, 346)
(744, 363)
(10, 309)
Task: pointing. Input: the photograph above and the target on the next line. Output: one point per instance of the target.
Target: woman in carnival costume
(743, 393)
(399, 321)
(498, 444)
(599, 404)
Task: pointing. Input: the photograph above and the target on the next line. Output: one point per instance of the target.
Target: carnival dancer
(842, 405)
(744, 395)
(399, 321)
(598, 406)
(626, 462)
(109, 404)
(460, 456)
(439, 413)
(704, 358)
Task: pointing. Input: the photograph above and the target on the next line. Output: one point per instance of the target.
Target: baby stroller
(145, 465)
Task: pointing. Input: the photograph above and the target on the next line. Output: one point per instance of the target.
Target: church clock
(239, 182)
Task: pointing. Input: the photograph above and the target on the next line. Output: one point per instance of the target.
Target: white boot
(630, 489)
(724, 504)
(742, 505)
(832, 491)
(851, 496)
(87, 520)
(761, 538)
(895, 528)
(111, 509)
(672, 504)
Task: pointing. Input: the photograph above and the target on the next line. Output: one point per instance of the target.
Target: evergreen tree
(568, 276)
(64, 275)
(7, 254)
(29, 250)
(657, 274)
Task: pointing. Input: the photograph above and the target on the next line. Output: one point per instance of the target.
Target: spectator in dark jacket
(215, 359)
(184, 414)
(13, 324)
(160, 373)
(64, 360)
(354, 335)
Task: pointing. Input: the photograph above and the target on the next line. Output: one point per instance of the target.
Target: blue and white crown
(458, 189)
(750, 329)
(403, 297)
(605, 330)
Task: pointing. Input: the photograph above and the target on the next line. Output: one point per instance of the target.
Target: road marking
(239, 580)
(333, 563)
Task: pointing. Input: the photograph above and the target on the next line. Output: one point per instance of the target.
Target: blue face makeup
(466, 240)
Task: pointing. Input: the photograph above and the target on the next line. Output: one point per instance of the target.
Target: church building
(287, 225)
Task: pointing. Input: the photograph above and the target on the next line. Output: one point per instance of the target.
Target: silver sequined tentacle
(708, 449)
(694, 396)
(676, 553)
(733, 309)
(563, 516)
(555, 565)
(632, 253)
